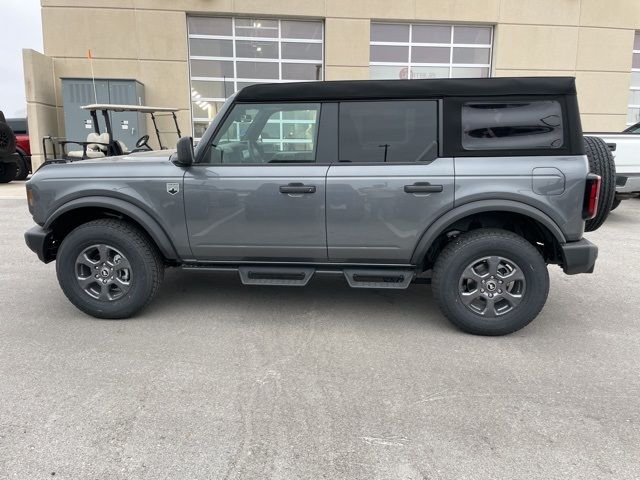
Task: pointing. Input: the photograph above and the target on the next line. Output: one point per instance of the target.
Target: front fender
(441, 224)
(146, 221)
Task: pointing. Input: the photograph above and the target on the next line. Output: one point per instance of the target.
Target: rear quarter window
(516, 125)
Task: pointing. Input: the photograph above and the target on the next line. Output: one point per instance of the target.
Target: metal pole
(94, 118)
(107, 123)
(175, 120)
(155, 125)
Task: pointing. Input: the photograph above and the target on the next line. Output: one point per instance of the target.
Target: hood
(152, 156)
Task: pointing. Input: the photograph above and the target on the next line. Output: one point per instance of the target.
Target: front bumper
(40, 241)
(579, 257)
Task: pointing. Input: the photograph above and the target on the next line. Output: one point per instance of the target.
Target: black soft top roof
(383, 89)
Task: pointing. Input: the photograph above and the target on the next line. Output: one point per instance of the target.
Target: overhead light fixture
(258, 49)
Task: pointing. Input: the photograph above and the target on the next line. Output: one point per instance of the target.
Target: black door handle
(422, 187)
(297, 188)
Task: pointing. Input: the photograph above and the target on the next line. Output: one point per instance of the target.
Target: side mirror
(184, 150)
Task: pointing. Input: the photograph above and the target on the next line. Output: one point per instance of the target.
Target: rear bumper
(579, 257)
(628, 182)
(40, 241)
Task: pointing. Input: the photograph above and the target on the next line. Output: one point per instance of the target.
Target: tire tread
(143, 244)
(452, 250)
(601, 163)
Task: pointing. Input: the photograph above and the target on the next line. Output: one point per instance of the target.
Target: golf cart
(103, 144)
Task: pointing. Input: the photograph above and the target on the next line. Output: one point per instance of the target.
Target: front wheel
(109, 268)
(490, 282)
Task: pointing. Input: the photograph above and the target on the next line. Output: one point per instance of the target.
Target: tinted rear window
(512, 125)
(388, 131)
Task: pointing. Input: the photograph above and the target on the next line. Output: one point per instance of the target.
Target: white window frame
(451, 44)
(234, 59)
(632, 87)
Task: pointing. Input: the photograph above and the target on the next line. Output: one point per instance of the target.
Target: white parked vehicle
(625, 147)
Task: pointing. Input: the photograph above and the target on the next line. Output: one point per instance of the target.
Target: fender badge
(173, 188)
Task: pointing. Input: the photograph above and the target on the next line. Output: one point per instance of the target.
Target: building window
(227, 54)
(633, 114)
(402, 50)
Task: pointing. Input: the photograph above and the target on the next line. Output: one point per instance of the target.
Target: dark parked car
(9, 159)
(23, 149)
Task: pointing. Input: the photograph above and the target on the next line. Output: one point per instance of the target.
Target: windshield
(18, 125)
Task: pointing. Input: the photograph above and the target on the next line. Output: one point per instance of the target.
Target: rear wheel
(109, 268)
(601, 163)
(490, 282)
(8, 171)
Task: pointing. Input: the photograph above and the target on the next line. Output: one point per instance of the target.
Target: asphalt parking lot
(215, 380)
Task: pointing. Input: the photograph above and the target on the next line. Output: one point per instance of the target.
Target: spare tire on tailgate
(601, 163)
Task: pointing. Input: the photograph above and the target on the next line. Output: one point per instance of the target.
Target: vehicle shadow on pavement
(221, 296)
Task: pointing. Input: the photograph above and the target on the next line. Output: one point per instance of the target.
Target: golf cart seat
(123, 148)
(95, 147)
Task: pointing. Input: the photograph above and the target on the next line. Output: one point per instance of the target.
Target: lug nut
(499, 281)
(499, 291)
(491, 295)
(482, 289)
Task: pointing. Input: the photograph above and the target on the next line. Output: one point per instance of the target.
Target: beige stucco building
(194, 64)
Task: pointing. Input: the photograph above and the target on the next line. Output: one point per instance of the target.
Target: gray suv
(473, 184)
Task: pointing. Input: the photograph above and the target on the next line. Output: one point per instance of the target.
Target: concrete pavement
(216, 380)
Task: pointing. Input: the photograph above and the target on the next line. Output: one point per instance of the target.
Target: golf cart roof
(127, 108)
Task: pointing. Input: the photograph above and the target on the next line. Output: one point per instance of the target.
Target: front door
(259, 195)
(389, 184)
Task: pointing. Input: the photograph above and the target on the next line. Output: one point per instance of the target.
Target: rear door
(260, 194)
(388, 183)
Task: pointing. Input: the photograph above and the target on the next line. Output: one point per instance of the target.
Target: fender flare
(146, 221)
(441, 224)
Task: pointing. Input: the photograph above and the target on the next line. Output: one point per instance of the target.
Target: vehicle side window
(267, 133)
(512, 125)
(388, 131)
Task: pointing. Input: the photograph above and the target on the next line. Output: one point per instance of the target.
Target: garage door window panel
(227, 54)
(405, 51)
(633, 111)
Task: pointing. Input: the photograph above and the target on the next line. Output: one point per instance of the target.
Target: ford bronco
(473, 184)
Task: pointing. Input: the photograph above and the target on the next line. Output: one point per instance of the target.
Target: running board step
(290, 276)
(368, 278)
